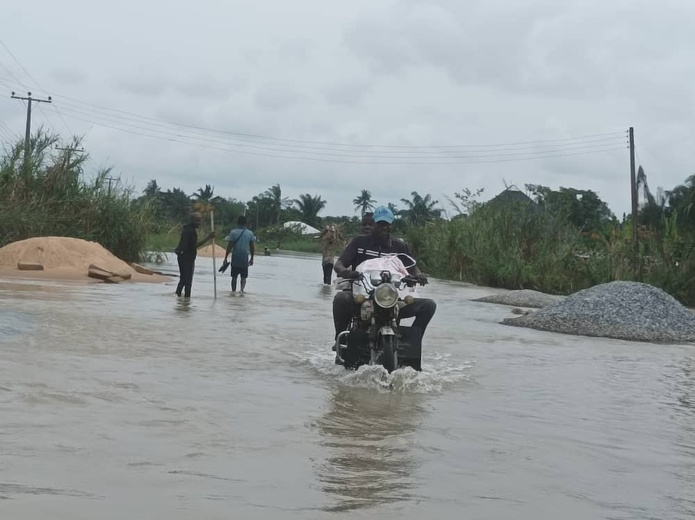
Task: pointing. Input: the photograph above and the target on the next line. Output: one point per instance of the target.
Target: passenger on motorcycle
(378, 243)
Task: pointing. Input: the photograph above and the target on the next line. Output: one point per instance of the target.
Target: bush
(50, 197)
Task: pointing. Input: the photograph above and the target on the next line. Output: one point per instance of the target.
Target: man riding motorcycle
(374, 245)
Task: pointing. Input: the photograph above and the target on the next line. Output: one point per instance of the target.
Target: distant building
(510, 198)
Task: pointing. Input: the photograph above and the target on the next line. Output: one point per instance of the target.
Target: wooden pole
(214, 262)
(633, 191)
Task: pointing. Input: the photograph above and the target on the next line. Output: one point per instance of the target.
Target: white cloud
(407, 73)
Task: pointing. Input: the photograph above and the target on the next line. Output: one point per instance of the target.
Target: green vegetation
(540, 243)
(50, 195)
(555, 241)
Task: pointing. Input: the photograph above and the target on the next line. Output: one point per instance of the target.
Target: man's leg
(188, 280)
(182, 276)
(234, 277)
(244, 273)
(423, 309)
(343, 306)
(327, 272)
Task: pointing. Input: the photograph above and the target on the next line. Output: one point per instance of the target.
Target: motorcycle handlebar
(410, 281)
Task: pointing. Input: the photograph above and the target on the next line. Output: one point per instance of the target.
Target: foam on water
(439, 372)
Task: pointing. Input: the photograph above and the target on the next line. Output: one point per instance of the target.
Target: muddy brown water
(126, 402)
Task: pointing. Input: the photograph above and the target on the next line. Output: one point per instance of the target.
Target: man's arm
(230, 244)
(345, 259)
(252, 249)
(208, 237)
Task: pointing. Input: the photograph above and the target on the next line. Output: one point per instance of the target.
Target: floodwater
(122, 401)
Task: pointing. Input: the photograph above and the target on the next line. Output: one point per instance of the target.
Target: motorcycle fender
(387, 331)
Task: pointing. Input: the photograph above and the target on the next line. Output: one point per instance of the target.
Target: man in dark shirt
(186, 252)
(378, 243)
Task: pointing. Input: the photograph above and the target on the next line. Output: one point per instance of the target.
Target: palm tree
(364, 202)
(309, 207)
(206, 194)
(277, 201)
(152, 189)
(420, 209)
(260, 211)
(177, 204)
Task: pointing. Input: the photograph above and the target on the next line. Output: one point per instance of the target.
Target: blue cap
(383, 214)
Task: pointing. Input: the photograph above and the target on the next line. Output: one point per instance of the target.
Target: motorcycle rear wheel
(389, 353)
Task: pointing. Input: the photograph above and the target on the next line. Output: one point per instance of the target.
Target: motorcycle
(375, 335)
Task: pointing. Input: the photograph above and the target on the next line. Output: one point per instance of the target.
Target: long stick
(214, 262)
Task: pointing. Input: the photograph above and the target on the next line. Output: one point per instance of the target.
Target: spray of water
(440, 371)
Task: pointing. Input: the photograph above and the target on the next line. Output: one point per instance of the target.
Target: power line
(12, 75)
(7, 135)
(240, 142)
(444, 155)
(271, 149)
(452, 154)
(18, 63)
(139, 118)
(45, 116)
(165, 128)
(35, 82)
(321, 159)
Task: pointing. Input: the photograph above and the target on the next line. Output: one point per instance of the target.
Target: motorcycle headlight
(386, 296)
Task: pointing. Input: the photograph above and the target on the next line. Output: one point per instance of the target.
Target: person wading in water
(186, 252)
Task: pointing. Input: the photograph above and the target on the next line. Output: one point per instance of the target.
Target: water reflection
(685, 385)
(368, 435)
(326, 292)
(183, 306)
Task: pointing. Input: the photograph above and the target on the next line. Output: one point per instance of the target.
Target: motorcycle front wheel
(389, 353)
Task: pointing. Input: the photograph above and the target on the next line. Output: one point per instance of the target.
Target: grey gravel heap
(522, 298)
(621, 310)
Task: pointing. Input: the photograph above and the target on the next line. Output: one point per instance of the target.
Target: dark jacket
(188, 242)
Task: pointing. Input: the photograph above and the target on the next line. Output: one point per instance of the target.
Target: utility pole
(69, 151)
(633, 190)
(27, 137)
(110, 179)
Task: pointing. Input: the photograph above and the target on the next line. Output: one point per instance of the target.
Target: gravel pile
(621, 310)
(522, 298)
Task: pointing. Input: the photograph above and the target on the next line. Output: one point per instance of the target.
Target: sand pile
(207, 251)
(64, 258)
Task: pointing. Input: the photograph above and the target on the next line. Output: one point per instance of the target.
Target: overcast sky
(396, 81)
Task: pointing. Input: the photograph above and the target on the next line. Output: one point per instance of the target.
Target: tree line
(553, 240)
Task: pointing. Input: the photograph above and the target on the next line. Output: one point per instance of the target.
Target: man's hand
(421, 278)
(251, 262)
(349, 274)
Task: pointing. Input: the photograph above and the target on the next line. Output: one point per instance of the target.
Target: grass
(521, 249)
(52, 197)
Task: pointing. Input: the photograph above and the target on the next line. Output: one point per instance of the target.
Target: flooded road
(122, 401)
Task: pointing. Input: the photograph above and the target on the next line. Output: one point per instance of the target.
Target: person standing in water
(186, 252)
(331, 243)
(241, 245)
